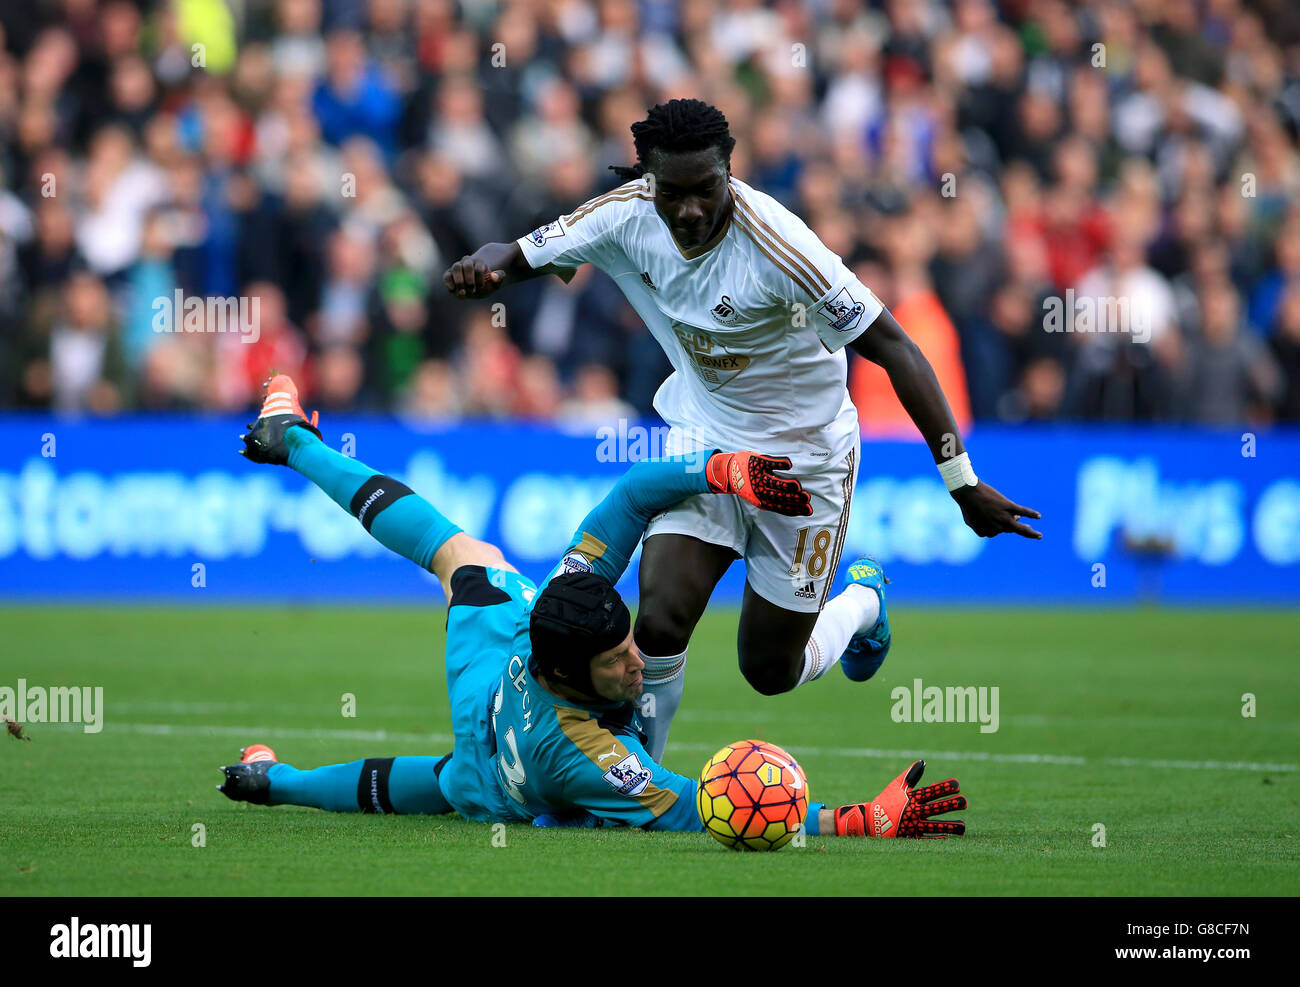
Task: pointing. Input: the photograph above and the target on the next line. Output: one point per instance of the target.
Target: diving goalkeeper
(542, 684)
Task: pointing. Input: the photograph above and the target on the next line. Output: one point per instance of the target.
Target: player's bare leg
(678, 574)
(780, 649)
(770, 643)
(460, 549)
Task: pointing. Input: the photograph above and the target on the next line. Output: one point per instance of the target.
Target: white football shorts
(789, 561)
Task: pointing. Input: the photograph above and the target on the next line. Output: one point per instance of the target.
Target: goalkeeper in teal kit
(543, 681)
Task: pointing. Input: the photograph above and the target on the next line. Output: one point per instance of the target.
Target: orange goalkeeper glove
(753, 477)
(904, 810)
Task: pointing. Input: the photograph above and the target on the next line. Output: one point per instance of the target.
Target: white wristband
(957, 473)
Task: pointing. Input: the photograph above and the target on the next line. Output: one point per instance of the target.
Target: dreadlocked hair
(675, 126)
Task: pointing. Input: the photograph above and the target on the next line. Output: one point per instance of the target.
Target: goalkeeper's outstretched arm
(900, 811)
(609, 535)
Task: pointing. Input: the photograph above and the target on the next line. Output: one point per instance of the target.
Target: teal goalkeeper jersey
(556, 757)
(551, 756)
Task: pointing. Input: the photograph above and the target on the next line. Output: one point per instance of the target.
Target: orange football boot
(264, 442)
(256, 752)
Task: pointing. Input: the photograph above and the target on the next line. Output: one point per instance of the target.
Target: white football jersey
(754, 321)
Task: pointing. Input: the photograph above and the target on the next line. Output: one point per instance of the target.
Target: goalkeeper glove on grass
(904, 810)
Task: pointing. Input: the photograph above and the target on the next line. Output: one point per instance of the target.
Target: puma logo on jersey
(613, 752)
(648, 282)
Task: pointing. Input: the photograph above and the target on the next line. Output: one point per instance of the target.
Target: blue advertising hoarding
(150, 508)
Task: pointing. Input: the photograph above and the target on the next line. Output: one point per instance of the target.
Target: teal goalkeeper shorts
(487, 610)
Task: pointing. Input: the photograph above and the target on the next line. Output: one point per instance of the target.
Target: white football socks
(856, 609)
(664, 679)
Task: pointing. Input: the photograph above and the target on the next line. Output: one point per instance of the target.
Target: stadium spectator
(244, 359)
(49, 257)
(149, 279)
(355, 98)
(595, 401)
(910, 295)
(77, 363)
(1284, 275)
(1285, 343)
(489, 367)
(432, 393)
(1230, 375)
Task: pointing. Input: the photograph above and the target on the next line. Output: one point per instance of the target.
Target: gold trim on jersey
(595, 741)
(591, 547)
(759, 243)
(595, 200)
(624, 193)
(760, 230)
(843, 529)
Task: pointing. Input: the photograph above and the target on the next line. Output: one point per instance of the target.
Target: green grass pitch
(1131, 719)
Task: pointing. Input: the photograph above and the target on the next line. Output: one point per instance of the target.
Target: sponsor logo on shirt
(628, 777)
(548, 232)
(843, 312)
(715, 365)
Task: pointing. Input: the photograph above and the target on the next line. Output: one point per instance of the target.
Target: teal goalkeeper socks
(394, 515)
(403, 785)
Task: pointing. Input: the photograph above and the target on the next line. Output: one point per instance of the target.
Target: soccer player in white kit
(754, 312)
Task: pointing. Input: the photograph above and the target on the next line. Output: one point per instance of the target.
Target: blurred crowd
(978, 164)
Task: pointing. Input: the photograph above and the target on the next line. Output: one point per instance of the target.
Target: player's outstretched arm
(490, 267)
(609, 535)
(901, 810)
(984, 509)
(588, 235)
(636, 791)
(603, 776)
